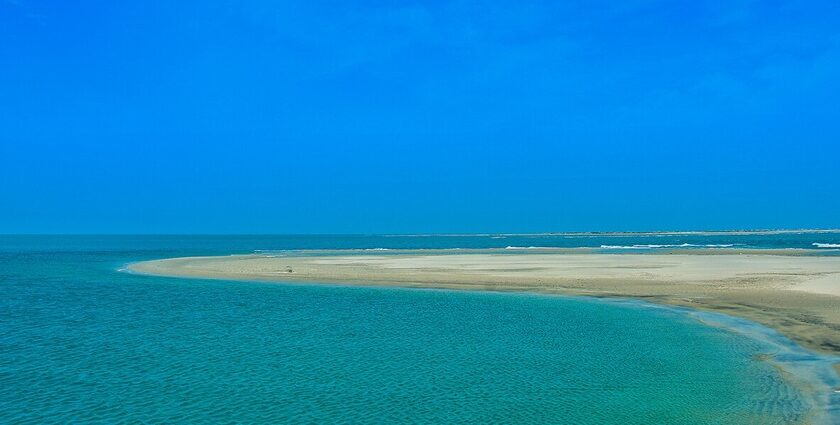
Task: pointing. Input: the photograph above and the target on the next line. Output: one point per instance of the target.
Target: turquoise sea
(83, 342)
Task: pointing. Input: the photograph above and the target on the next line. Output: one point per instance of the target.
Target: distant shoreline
(629, 233)
(475, 234)
(601, 250)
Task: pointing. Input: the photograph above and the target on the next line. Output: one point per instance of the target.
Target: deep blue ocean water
(83, 342)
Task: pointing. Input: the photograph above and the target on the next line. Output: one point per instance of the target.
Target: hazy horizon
(560, 233)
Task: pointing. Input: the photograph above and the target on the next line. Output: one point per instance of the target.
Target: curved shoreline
(815, 374)
(797, 295)
(777, 305)
(804, 366)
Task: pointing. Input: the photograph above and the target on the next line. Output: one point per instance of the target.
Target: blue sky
(433, 116)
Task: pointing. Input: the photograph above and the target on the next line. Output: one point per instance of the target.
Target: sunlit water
(83, 342)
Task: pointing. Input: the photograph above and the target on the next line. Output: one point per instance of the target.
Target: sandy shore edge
(796, 295)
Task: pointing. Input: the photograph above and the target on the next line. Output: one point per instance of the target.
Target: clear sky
(251, 116)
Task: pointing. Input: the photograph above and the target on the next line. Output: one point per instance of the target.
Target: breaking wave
(684, 245)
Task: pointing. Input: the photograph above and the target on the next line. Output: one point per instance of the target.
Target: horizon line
(468, 234)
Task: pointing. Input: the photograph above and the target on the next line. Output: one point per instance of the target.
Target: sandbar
(798, 295)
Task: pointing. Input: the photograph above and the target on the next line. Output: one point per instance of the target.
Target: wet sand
(798, 295)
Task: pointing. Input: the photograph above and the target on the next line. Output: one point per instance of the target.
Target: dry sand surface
(795, 294)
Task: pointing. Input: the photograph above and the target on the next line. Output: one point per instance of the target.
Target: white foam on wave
(531, 247)
(826, 245)
(684, 245)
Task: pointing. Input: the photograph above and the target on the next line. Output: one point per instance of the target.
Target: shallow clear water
(81, 342)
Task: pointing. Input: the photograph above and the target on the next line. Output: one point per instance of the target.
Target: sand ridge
(795, 294)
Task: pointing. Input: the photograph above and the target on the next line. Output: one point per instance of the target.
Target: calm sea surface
(81, 341)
